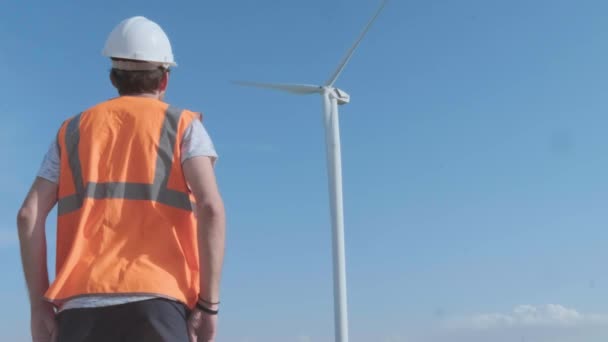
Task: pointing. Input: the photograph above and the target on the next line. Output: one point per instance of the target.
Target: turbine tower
(332, 97)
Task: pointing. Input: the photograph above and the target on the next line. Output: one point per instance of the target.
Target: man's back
(124, 207)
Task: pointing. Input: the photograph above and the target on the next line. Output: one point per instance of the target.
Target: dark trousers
(155, 320)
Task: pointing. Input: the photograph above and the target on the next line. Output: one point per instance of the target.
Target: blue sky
(474, 155)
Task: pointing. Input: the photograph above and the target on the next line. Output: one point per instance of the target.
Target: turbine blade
(350, 52)
(300, 89)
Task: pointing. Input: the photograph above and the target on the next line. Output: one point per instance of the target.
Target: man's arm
(31, 221)
(200, 176)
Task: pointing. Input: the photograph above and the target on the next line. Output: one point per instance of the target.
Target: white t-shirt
(196, 142)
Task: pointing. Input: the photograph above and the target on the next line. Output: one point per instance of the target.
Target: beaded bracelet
(207, 302)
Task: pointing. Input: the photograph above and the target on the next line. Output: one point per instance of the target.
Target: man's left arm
(31, 221)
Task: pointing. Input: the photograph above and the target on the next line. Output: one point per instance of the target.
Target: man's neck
(146, 95)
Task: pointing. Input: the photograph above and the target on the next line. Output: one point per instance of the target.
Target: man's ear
(113, 80)
(164, 82)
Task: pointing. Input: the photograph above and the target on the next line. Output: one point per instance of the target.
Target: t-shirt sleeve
(49, 169)
(197, 142)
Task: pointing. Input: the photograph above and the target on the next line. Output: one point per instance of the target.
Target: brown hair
(137, 82)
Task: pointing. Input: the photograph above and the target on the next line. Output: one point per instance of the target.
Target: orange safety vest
(125, 221)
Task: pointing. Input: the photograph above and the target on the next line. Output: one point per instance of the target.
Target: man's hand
(202, 327)
(43, 323)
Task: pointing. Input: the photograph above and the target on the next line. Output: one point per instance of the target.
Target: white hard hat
(138, 38)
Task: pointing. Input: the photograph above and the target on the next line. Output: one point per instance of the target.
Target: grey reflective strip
(157, 191)
(168, 137)
(69, 204)
(129, 191)
(164, 162)
(72, 141)
(174, 198)
(132, 191)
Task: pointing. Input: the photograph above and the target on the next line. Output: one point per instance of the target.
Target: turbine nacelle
(340, 95)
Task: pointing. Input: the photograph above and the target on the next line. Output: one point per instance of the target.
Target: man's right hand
(202, 327)
(43, 323)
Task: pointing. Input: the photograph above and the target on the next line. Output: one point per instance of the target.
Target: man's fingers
(192, 332)
(54, 330)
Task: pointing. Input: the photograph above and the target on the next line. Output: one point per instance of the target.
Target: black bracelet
(206, 309)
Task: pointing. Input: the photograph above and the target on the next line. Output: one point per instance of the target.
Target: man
(140, 221)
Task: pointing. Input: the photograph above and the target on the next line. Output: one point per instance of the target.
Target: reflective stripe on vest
(157, 191)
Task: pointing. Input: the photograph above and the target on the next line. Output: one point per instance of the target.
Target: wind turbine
(332, 97)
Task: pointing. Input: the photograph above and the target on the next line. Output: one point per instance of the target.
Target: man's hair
(137, 82)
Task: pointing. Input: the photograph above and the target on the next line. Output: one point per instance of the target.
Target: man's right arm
(211, 220)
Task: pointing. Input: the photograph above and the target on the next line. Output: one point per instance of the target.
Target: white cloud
(524, 323)
(551, 315)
